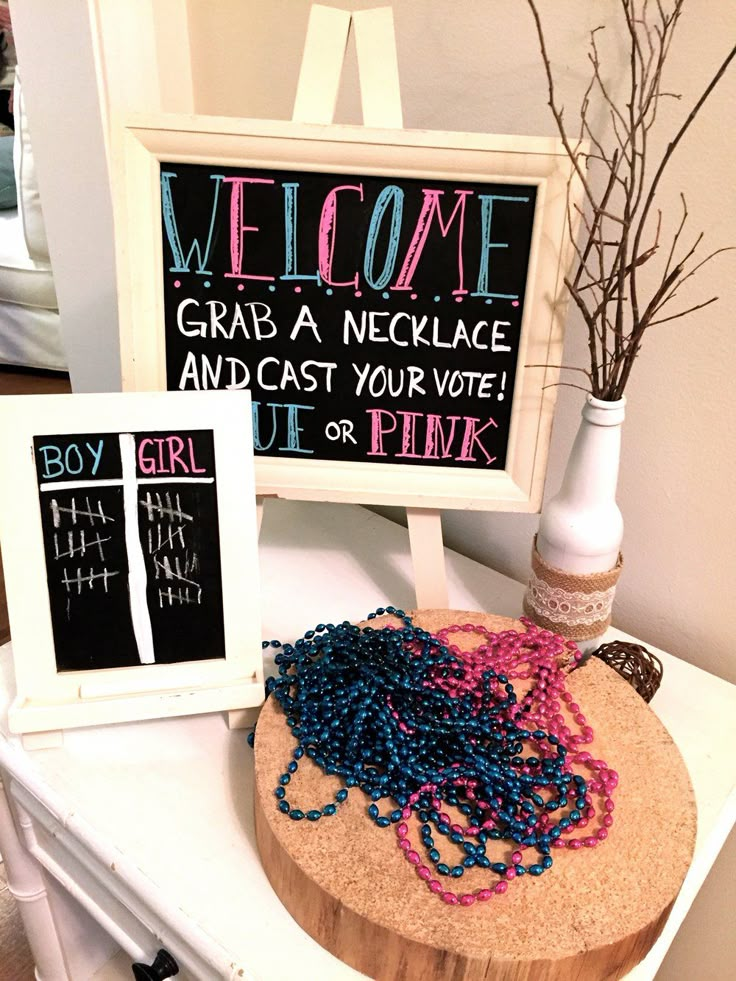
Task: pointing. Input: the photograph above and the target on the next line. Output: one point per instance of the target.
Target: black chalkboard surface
(374, 319)
(132, 549)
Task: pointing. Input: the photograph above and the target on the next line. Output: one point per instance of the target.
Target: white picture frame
(142, 143)
(51, 696)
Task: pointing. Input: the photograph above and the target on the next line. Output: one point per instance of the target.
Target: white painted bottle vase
(576, 562)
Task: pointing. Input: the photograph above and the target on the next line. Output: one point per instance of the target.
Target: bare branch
(563, 367)
(676, 238)
(684, 278)
(673, 143)
(597, 217)
(725, 248)
(683, 313)
(564, 385)
(604, 283)
(557, 113)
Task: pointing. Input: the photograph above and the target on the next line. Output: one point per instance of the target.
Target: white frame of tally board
(48, 699)
(142, 143)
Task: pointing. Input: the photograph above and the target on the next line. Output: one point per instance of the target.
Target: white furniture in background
(141, 836)
(29, 311)
(71, 86)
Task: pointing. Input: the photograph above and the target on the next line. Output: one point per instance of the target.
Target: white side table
(141, 836)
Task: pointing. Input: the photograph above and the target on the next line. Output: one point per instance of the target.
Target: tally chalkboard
(374, 319)
(393, 300)
(129, 537)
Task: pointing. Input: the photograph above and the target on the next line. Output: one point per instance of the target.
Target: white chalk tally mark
(75, 512)
(79, 545)
(82, 547)
(79, 580)
(176, 573)
(162, 509)
(158, 510)
(170, 537)
(176, 597)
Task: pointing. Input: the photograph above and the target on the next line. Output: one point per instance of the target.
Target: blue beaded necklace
(401, 717)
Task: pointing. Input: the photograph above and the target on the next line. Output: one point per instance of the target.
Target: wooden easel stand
(316, 97)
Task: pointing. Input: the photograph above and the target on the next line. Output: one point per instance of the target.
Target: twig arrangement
(619, 234)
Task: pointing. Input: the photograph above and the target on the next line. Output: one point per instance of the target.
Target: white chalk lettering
(378, 379)
(251, 320)
(410, 330)
(305, 319)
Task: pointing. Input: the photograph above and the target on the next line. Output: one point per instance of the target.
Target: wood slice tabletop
(593, 915)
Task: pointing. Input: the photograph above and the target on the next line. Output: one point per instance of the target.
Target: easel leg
(428, 557)
(319, 76)
(243, 718)
(378, 68)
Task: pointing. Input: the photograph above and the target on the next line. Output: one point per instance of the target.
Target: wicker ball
(637, 665)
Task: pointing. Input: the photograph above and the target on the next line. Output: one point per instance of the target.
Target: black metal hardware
(163, 967)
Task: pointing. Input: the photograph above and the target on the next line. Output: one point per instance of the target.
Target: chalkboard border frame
(142, 142)
(48, 700)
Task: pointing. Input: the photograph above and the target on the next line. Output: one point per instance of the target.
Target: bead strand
(411, 718)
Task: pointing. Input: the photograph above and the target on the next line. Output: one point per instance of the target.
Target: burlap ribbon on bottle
(576, 606)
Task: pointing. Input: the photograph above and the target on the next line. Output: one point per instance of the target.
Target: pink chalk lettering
(379, 430)
(430, 208)
(165, 456)
(326, 235)
(176, 445)
(192, 462)
(408, 434)
(470, 437)
(437, 444)
(238, 228)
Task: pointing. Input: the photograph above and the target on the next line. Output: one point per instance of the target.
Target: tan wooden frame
(49, 700)
(142, 142)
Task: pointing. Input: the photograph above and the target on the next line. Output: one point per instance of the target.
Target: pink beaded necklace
(538, 656)
(435, 727)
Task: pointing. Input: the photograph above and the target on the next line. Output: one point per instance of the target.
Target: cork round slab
(594, 915)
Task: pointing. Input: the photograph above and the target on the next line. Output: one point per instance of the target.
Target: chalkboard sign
(373, 319)
(131, 537)
(132, 565)
(380, 295)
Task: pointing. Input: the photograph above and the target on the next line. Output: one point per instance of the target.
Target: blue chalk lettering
(256, 414)
(95, 455)
(393, 195)
(68, 458)
(49, 460)
(181, 262)
(291, 191)
(486, 217)
(293, 429)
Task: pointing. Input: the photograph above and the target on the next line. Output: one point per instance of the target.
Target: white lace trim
(574, 608)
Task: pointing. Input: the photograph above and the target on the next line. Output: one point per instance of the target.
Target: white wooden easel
(316, 97)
